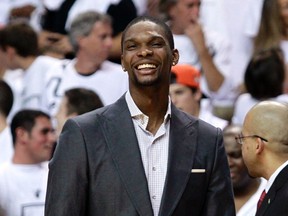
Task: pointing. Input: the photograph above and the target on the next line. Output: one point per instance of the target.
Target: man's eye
(132, 46)
(157, 45)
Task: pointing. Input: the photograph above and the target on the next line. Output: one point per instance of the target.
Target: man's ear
(260, 146)
(198, 94)
(21, 135)
(122, 64)
(175, 57)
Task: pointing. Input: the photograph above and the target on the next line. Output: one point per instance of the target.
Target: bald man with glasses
(264, 141)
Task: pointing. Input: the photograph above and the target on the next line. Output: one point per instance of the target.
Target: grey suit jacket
(97, 168)
(275, 201)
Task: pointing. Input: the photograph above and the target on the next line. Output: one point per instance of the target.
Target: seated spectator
(186, 95)
(247, 190)
(75, 102)
(91, 37)
(264, 80)
(6, 102)
(23, 180)
(19, 50)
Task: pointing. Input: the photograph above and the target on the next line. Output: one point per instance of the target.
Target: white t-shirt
(6, 145)
(207, 115)
(33, 82)
(23, 189)
(245, 102)
(239, 22)
(109, 82)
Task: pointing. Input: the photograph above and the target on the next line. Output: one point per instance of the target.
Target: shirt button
(154, 197)
(154, 168)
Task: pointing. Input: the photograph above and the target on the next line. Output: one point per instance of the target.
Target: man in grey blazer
(140, 155)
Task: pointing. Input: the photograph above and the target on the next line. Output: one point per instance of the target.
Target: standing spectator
(141, 152)
(23, 180)
(19, 49)
(264, 141)
(91, 37)
(6, 102)
(186, 95)
(75, 102)
(247, 190)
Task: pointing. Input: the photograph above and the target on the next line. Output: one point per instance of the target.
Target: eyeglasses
(240, 138)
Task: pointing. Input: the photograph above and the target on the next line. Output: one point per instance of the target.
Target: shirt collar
(136, 112)
(274, 175)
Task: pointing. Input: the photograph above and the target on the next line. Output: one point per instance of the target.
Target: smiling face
(40, 140)
(147, 55)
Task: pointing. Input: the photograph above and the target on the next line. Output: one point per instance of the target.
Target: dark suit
(275, 202)
(104, 175)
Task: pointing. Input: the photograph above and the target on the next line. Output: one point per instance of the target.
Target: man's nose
(145, 52)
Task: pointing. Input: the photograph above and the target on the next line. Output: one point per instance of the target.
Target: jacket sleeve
(67, 181)
(220, 199)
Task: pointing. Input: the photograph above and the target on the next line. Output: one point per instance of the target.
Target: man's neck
(86, 67)
(25, 62)
(153, 105)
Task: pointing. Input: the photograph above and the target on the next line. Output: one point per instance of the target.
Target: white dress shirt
(153, 149)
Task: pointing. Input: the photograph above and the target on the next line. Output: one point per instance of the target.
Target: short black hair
(159, 22)
(81, 100)
(21, 36)
(25, 119)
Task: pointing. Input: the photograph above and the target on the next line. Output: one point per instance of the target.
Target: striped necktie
(261, 199)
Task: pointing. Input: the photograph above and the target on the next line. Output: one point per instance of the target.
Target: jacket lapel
(123, 145)
(181, 156)
(280, 180)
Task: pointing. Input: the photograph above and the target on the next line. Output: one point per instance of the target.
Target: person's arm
(213, 76)
(68, 181)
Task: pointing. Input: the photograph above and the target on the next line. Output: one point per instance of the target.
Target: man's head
(180, 13)
(6, 98)
(185, 88)
(148, 52)
(238, 170)
(91, 33)
(264, 138)
(17, 39)
(33, 136)
(75, 102)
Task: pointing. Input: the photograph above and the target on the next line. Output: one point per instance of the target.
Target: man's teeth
(143, 66)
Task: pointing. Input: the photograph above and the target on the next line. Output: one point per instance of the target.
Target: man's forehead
(145, 27)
